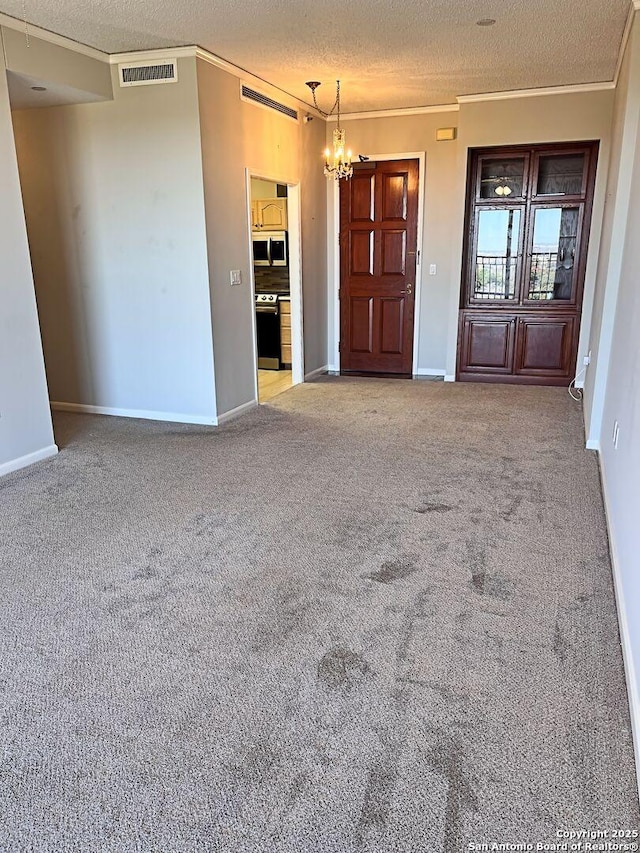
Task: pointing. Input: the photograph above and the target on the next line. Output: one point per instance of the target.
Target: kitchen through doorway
(275, 250)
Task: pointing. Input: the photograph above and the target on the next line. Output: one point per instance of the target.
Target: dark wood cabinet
(487, 343)
(527, 226)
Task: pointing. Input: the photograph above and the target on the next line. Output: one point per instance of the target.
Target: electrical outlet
(236, 277)
(586, 360)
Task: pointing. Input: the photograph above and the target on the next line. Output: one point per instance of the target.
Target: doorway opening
(274, 209)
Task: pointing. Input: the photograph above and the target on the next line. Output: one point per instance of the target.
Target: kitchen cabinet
(285, 332)
(527, 227)
(269, 214)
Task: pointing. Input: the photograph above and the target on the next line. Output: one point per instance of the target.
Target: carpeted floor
(371, 616)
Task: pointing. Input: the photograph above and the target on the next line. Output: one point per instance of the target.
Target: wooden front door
(378, 237)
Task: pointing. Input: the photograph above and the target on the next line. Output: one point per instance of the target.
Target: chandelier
(337, 164)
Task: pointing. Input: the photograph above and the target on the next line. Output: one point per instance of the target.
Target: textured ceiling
(387, 53)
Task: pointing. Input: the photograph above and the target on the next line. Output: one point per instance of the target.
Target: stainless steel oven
(270, 248)
(268, 330)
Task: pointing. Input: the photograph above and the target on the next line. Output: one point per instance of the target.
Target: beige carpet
(370, 616)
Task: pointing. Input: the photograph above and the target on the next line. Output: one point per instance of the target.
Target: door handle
(408, 291)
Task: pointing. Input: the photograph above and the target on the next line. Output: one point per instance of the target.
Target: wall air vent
(248, 94)
(146, 73)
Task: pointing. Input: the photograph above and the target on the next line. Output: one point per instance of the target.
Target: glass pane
(497, 254)
(553, 253)
(502, 179)
(560, 174)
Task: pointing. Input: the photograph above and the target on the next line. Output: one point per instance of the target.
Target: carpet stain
(448, 761)
(258, 764)
(376, 804)
(560, 644)
(342, 668)
(513, 508)
(495, 585)
(394, 570)
(477, 556)
(433, 507)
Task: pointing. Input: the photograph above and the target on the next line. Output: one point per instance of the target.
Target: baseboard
(144, 414)
(29, 459)
(309, 377)
(232, 414)
(627, 654)
(429, 371)
(449, 377)
(593, 444)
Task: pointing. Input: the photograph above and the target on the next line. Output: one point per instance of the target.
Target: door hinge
(418, 255)
(339, 346)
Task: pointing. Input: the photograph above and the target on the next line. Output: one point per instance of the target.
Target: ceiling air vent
(146, 73)
(264, 101)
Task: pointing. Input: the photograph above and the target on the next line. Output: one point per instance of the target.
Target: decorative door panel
(544, 346)
(361, 331)
(361, 189)
(393, 258)
(361, 253)
(378, 243)
(527, 227)
(486, 344)
(395, 191)
(391, 316)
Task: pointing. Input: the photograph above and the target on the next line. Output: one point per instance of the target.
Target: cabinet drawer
(285, 321)
(285, 308)
(285, 336)
(285, 353)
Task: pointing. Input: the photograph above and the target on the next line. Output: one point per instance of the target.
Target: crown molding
(53, 38)
(407, 111)
(534, 93)
(152, 55)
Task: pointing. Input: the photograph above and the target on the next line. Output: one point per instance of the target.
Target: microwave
(270, 248)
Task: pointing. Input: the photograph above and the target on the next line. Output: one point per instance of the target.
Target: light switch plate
(432, 269)
(236, 277)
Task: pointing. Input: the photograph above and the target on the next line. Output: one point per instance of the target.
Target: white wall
(621, 467)
(614, 230)
(236, 136)
(115, 212)
(26, 434)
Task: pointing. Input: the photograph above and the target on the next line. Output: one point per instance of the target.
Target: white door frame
(294, 229)
(420, 156)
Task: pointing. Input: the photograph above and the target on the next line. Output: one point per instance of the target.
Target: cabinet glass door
(552, 271)
(496, 264)
(502, 179)
(561, 174)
